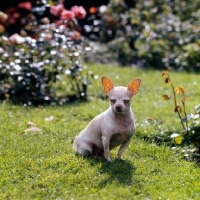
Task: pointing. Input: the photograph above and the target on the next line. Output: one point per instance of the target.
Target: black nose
(118, 108)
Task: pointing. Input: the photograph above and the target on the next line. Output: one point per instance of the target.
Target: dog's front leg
(106, 142)
(123, 147)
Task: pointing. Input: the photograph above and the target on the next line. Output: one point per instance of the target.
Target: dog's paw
(109, 159)
(119, 157)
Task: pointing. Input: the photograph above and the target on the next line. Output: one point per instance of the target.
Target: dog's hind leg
(82, 147)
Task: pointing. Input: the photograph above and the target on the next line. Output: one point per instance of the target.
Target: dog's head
(120, 97)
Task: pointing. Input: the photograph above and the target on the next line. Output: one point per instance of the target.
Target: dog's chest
(121, 129)
(123, 126)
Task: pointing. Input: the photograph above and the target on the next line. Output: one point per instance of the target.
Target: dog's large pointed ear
(107, 84)
(134, 85)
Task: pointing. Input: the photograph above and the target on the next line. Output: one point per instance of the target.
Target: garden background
(52, 56)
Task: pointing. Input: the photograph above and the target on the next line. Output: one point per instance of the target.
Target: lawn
(43, 165)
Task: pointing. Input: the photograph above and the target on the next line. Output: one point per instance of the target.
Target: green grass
(44, 165)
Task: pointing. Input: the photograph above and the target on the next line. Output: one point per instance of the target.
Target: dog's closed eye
(112, 101)
(126, 101)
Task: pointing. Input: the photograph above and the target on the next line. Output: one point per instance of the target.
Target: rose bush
(44, 57)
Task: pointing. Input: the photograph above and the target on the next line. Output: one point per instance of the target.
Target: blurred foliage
(158, 33)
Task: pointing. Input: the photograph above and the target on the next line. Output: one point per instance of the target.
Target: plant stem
(175, 102)
(184, 110)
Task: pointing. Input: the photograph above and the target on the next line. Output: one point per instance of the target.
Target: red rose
(67, 15)
(79, 12)
(57, 10)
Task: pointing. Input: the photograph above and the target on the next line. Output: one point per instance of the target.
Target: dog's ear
(107, 84)
(134, 85)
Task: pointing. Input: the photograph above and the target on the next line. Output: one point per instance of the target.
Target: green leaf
(178, 139)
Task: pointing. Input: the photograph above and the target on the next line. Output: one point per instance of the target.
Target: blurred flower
(79, 12)
(93, 10)
(2, 29)
(57, 10)
(11, 10)
(47, 36)
(45, 20)
(16, 39)
(12, 21)
(25, 5)
(102, 9)
(49, 119)
(16, 15)
(76, 35)
(174, 135)
(3, 17)
(110, 21)
(67, 15)
(23, 33)
(1, 50)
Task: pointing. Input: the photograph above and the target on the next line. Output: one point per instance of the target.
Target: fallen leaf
(33, 130)
(30, 124)
(149, 119)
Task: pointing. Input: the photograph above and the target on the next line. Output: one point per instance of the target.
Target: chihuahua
(113, 127)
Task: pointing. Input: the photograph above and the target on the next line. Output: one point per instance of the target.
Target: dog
(113, 127)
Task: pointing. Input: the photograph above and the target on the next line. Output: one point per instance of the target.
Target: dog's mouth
(119, 110)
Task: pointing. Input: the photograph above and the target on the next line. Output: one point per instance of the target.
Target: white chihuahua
(113, 127)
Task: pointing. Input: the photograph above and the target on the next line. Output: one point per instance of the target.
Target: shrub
(161, 34)
(40, 57)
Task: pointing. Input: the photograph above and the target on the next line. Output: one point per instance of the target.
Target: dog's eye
(126, 101)
(112, 101)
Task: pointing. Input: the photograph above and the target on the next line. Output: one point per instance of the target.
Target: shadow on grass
(120, 171)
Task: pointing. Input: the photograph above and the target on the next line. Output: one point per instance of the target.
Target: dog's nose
(118, 108)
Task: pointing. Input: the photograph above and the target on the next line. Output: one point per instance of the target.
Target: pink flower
(57, 10)
(67, 15)
(25, 5)
(79, 12)
(16, 39)
(16, 15)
